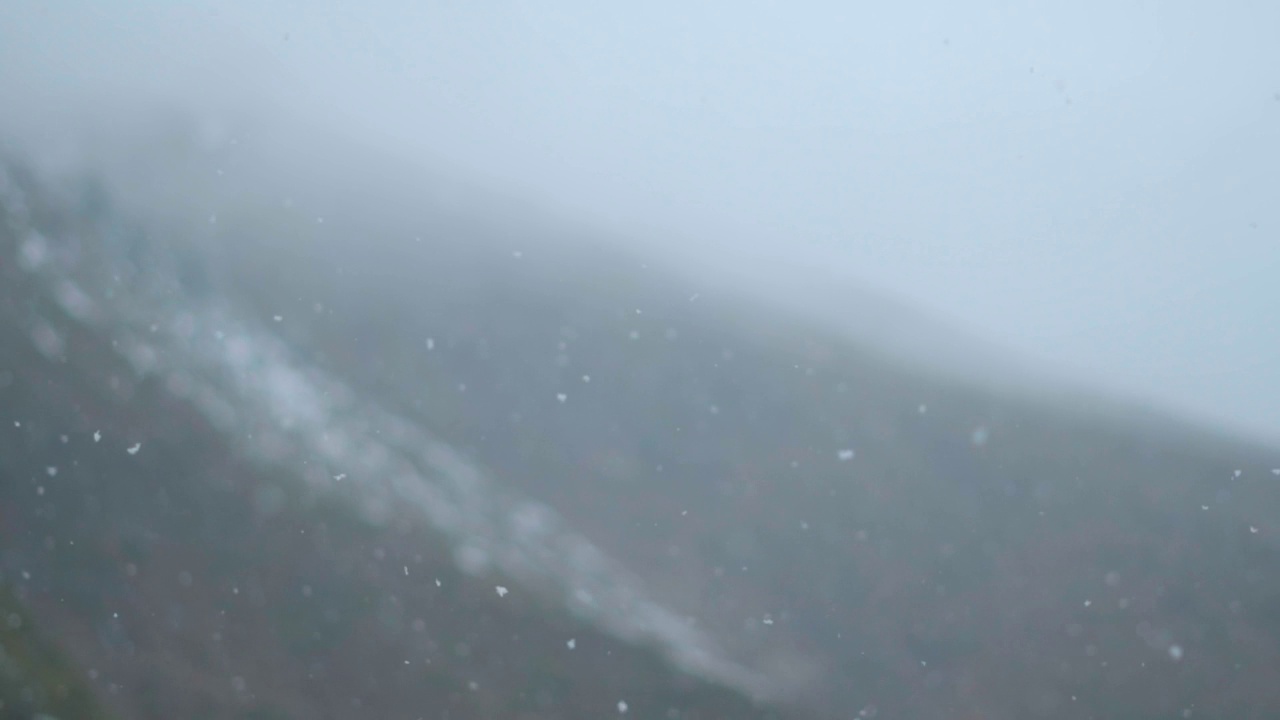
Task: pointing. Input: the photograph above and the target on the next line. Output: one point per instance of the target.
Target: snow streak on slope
(281, 411)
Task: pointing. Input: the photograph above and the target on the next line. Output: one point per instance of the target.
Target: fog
(1091, 187)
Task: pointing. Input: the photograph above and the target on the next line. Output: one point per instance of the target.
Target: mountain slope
(845, 534)
(190, 577)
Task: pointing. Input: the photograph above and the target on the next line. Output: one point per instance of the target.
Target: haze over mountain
(296, 421)
(1088, 185)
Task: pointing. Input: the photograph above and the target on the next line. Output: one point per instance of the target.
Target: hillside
(232, 478)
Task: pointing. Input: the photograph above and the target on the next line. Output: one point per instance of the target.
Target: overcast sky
(1094, 183)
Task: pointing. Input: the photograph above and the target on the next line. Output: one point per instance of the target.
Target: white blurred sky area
(1095, 184)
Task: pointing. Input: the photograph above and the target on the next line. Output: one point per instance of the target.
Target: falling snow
(622, 706)
(97, 435)
(845, 455)
(133, 450)
(980, 436)
(571, 644)
(502, 591)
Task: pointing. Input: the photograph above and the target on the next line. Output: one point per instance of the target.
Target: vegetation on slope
(937, 549)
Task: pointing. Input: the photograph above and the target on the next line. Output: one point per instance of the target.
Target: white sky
(1094, 183)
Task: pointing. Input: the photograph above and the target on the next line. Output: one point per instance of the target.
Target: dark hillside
(731, 503)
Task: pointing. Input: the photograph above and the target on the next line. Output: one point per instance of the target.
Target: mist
(1090, 190)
